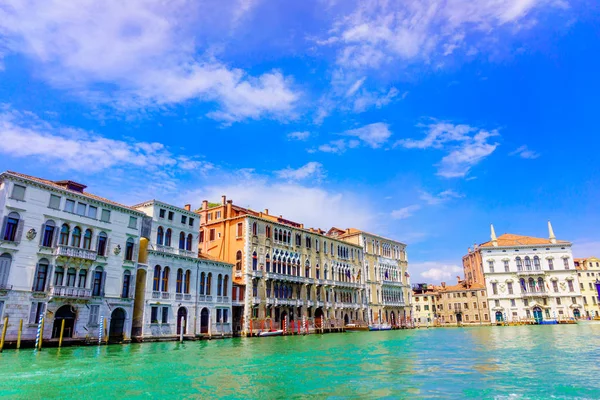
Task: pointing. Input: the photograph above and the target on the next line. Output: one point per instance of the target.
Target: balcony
(393, 283)
(176, 251)
(71, 292)
(394, 303)
(75, 252)
(531, 272)
(535, 293)
(288, 278)
(256, 300)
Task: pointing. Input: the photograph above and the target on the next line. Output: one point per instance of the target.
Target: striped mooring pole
(39, 329)
(100, 330)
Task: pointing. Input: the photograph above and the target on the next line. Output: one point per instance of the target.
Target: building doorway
(319, 318)
(577, 313)
(65, 313)
(204, 320)
(537, 315)
(182, 313)
(393, 318)
(499, 316)
(459, 318)
(117, 325)
(346, 319)
(283, 317)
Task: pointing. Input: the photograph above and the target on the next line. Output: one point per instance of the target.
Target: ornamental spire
(551, 233)
(494, 238)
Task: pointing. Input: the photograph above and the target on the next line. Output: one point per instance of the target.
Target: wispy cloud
(313, 170)
(524, 152)
(142, 54)
(405, 212)
(436, 272)
(302, 135)
(465, 145)
(440, 198)
(373, 135)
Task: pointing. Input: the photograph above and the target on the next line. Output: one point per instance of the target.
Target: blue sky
(423, 121)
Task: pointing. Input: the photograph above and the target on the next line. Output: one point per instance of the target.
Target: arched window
(160, 233)
(188, 244)
(82, 278)
(325, 271)
(59, 276)
(225, 285)
(279, 264)
(98, 282)
(71, 277)
(87, 239)
(11, 226)
(41, 275)
(179, 283)
(536, 263)
(318, 272)
(156, 281)
(168, 237)
(254, 228)
(254, 261)
(527, 263)
(202, 282)
(238, 260)
(519, 264)
(129, 249)
(126, 284)
(188, 278)
(102, 242)
(268, 231)
(219, 285)
(540, 285)
(307, 269)
(268, 263)
(48, 233)
(182, 241)
(531, 285)
(165, 279)
(208, 283)
(550, 264)
(76, 237)
(5, 261)
(523, 285)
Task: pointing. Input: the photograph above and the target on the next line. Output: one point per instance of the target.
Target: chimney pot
(223, 199)
(205, 204)
(267, 211)
(188, 207)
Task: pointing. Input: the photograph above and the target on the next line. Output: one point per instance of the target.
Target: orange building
(463, 303)
(473, 266)
(282, 270)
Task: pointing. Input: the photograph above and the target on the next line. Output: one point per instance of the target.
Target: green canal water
(537, 362)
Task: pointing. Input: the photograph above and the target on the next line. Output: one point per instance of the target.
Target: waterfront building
(462, 304)
(283, 269)
(424, 304)
(67, 255)
(588, 272)
(528, 278)
(178, 291)
(386, 267)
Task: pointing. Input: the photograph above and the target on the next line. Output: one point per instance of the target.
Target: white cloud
(440, 198)
(142, 54)
(312, 170)
(373, 135)
(354, 88)
(367, 99)
(466, 146)
(405, 212)
(303, 135)
(338, 146)
(313, 206)
(436, 272)
(524, 152)
(379, 32)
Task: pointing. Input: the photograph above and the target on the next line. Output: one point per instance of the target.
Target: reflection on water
(489, 362)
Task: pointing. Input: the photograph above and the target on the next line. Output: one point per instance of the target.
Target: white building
(530, 278)
(67, 255)
(175, 288)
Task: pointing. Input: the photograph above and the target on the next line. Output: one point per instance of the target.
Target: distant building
(462, 304)
(386, 267)
(528, 278)
(588, 272)
(424, 304)
(68, 256)
(177, 290)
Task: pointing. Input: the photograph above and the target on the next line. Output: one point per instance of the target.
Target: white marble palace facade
(530, 278)
(176, 289)
(66, 255)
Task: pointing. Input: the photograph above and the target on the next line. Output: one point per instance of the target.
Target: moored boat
(380, 327)
(356, 328)
(278, 332)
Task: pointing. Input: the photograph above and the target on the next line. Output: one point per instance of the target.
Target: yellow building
(588, 272)
(462, 304)
(385, 265)
(424, 304)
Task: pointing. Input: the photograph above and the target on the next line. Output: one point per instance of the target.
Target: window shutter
(3, 232)
(97, 243)
(107, 248)
(49, 277)
(32, 312)
(55, 236)
(132, 284)
(136, 250)
(103, 283)
(42, 232)
(20, 226)
(146, 227)
(37, 266)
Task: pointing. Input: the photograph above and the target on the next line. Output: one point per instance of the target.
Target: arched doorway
(459, 318)
(65, 313)
(283, 316)
(537, 315)
(204, 320)
(117, 325)
(577, 313)
(319, 318)
(393, 318)
(182, 313)
(346, 319)
(499, 317)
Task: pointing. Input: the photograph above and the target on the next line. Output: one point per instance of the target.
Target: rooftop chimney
(266, 211)
(444, 284)
(223, 200)
(188, 207)
(205, 204)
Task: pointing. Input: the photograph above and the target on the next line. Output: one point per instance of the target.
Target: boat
(278, 332)
(380, 327)
(589, 321)
(356, 328)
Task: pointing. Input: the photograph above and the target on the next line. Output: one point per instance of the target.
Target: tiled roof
(509, 240)
(460, 287)
(55, 185)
